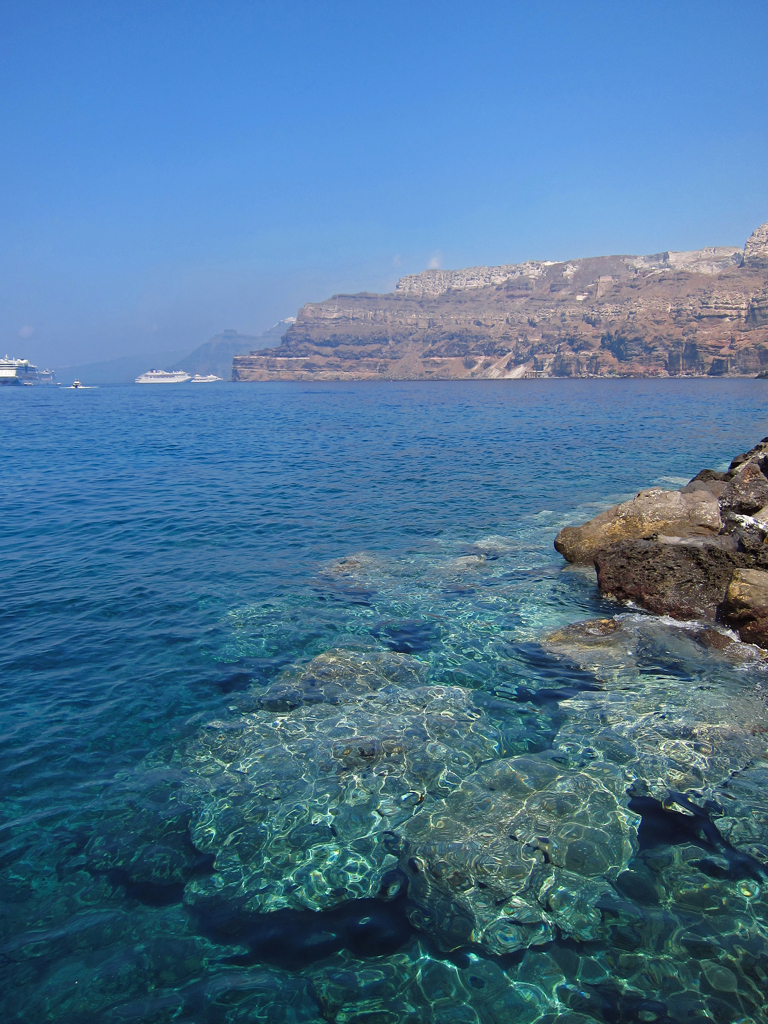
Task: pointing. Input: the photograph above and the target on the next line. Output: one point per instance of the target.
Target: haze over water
(177, 557)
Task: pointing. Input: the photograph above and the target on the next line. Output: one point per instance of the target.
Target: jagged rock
(686, 579)
(747, 491)
(748, 532)
(692, 514)
(760, 448)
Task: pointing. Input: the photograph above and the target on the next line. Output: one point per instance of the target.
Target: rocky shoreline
(697, 553)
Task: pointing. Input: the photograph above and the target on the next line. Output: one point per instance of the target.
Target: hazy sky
(176, 167)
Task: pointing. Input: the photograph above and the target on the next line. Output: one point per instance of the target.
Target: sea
(303, 719)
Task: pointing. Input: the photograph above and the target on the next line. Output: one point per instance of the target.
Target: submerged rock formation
(697, 553)
(673, 313)
(578, 803)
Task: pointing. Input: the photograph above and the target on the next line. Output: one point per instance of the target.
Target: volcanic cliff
(674, 313)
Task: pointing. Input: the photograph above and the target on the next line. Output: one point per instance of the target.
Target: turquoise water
(295, 725)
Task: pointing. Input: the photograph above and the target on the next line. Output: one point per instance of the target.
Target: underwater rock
(686, 580)
(144, 845)
(724, 642)
(522, 845)
(338, 676)
(295, 938)
(676, 735)
(298, 799)
(692, 514)
(600, 638)
(599, 645)
(585, 634)
(349, 577)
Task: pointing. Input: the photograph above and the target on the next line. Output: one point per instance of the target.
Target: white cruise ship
(197, 379)
(163, 377)
(17, 371)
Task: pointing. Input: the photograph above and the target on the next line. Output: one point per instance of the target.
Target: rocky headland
(670, 314)
(697, 553)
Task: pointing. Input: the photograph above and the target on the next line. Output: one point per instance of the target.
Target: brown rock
(746, 599)
(692, 514)
(687, 580)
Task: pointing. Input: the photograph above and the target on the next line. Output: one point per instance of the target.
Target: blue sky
(176, 167)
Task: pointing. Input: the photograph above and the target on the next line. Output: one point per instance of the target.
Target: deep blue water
(176, 557)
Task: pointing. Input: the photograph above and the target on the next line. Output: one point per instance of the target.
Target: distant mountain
(213, 356)
(670, 314)
(216, 354)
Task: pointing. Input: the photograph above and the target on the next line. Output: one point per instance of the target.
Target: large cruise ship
(17, 371)
(163, 377)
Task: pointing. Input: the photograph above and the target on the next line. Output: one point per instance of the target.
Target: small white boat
(163, 377)
(76, 384)
(197, 379)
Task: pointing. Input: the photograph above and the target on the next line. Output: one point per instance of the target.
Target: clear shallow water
(271, 650)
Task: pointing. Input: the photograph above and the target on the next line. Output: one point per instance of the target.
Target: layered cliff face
(692, 313)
